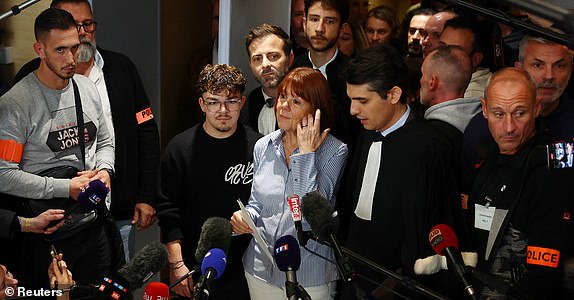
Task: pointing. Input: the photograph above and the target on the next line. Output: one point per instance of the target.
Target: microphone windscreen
(319, 214)
(92, 194)
(215, 233)
(287, 253)
(156, 291)
(149, 260)
(442, 236)
(216, 259)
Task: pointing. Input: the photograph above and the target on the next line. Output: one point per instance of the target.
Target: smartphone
(54, 254)
(560, 155)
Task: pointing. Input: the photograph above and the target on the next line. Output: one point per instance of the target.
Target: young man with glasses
(128, 111)
(203, 171)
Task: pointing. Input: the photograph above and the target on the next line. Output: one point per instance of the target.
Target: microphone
(90, 196)
(212, 268)
(156, 291)
(295, 207)
(149, 260)
(215, 233)
(288, 258)
(444, 242)
(184, 277)
(324, 223)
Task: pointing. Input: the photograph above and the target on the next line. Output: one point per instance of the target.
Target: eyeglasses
(413, 31)
(215, 106)
(89, 26)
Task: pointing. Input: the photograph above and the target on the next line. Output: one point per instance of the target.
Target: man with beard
(416, 31)
(127, 107)
(203, 171)
(324, 19)
(550, 66)
(269, 50)
(40, 131)
(381, 26)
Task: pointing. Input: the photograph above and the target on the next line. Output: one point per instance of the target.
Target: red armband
(144, 115)
(11, 150)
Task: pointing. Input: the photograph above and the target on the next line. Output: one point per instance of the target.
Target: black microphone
(212, 267)
(444, 242)
(324, 223)
(148, 261)
(288, 258)
(92, 194)
(215, 233)
(295, 207)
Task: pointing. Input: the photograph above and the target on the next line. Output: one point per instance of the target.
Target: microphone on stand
(212, 268)
(288, 258)
(444, 242)
(324, 223)
(215, 233)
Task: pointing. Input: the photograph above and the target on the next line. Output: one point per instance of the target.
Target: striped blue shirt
(273, 183)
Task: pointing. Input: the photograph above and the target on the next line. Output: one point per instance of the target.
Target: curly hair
(220, 78)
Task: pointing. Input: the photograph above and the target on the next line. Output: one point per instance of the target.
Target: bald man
(550, 65)
(446, 73)
(433, 30)
(520, 209)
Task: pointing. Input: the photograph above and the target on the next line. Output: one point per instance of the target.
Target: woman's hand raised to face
(309, 135)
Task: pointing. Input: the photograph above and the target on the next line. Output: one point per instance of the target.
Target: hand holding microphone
(215, 233)
(181, 280)
(444, 242)
(91, 195)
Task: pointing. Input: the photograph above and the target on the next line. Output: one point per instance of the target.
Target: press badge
(483, 216)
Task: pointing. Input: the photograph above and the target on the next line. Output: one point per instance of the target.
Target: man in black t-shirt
(203, 171)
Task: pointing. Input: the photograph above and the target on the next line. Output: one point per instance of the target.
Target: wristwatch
(110, 172)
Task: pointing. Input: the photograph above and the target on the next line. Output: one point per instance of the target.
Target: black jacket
(538, 224)
(346, 127)
(250, 112)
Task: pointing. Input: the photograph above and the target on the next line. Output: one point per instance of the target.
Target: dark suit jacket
(136, 145)
(346, 126)
(252, 108)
